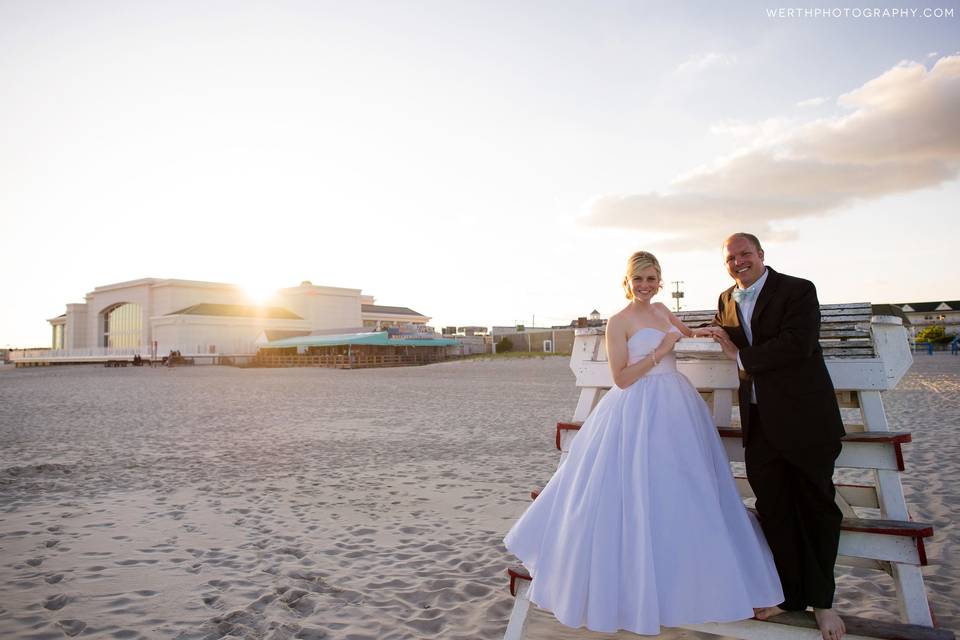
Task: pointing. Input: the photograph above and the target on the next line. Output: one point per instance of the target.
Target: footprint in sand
(71, 627)
(56, 602)
(212, 601)
(262, 602)
(299, 601)
(54, 578)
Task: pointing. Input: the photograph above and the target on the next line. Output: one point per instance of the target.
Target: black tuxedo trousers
(801, 521)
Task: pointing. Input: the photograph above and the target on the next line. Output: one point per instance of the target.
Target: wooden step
(859, 626)
(855, 495)
(861, 450)
(856, 625)
(874, 539)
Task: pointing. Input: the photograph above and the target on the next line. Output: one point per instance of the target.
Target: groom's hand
(729, 349)
(706, 332)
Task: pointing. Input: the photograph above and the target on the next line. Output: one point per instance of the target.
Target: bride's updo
(637, 263)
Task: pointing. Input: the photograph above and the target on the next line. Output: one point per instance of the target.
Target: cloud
(705, 61)
(754, 133)
(899, 135)
(812, 102)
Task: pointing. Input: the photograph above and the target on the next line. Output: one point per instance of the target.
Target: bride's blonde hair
(637, 263)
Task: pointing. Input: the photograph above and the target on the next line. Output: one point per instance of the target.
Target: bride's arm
(623, 374)
(675, 321)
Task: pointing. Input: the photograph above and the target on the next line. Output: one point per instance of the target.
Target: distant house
(926, 314)
(592, 320)
(378, 316)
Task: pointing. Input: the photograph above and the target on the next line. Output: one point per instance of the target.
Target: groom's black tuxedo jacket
(795, 395)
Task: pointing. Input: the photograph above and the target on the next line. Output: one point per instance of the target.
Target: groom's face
(744, 261)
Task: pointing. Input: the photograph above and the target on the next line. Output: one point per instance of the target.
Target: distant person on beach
(769, 323)
(642, 525)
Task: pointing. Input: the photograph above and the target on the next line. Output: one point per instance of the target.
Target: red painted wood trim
(916, 530)
(899, 452)
(730, 432)
(566, 426)
(922, 552)
(878, 437)
(852, 486)
(893, 437)
(888, 527)
(518, 573)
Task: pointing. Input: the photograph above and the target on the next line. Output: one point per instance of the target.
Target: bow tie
(743, 295)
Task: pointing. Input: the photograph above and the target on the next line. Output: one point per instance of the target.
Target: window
(123, 326)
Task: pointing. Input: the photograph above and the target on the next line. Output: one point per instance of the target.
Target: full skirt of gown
(642, 525)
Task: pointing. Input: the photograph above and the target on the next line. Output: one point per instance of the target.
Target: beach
(210, 502)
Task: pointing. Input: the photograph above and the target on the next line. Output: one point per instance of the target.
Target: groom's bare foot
(831, 625)
(765, 613)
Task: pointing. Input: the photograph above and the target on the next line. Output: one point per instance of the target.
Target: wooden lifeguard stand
(865, 355)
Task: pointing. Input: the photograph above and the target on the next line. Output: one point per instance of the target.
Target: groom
(769, 323)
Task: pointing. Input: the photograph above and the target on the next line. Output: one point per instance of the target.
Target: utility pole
(677, 294)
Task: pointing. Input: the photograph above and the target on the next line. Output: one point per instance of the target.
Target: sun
(260, 293)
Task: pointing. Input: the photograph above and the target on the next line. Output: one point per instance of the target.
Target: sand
(213, 502)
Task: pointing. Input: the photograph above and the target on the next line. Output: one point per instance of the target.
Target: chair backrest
(862, 351)
(844, 328)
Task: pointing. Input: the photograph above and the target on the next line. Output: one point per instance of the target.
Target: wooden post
(517, 625)
(911, 594)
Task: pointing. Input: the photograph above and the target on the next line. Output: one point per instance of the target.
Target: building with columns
(154, 315)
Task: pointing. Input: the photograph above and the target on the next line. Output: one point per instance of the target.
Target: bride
(643, 526)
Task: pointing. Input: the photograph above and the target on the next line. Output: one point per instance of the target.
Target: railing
(98, 354)
(347, 362)
(25, 355)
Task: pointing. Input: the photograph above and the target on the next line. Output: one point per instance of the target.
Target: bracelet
(653, 354)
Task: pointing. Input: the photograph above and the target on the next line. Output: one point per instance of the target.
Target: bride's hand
(670, 339)
(707, 332)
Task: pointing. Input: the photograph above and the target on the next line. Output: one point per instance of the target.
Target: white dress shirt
(745, 310)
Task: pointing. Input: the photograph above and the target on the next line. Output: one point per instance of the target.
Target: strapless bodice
(643, 342)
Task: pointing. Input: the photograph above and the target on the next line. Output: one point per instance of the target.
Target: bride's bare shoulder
(626, 312)
(618, 319)
(620, 322)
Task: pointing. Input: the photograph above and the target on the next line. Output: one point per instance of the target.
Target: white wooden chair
(865, 356)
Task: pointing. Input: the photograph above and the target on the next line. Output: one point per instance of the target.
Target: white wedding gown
(642, 525)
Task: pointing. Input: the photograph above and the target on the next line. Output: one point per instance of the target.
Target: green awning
(378, 338)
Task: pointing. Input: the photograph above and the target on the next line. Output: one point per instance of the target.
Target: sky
(481, 162)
